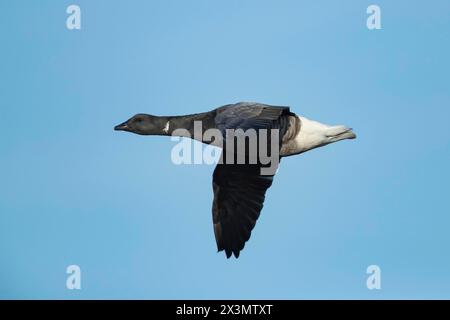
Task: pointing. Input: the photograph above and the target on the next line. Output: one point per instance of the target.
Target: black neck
(187, 122)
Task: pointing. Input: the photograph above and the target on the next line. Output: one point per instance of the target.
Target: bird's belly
(290, 148)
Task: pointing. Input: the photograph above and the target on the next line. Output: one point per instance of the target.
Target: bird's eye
(138, 120)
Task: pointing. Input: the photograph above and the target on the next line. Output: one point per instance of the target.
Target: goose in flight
(239, 188)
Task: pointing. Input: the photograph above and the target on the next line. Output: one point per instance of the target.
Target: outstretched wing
(251, 115)
(239, 189)
(239, 192)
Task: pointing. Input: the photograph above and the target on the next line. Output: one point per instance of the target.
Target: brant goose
(239, 188)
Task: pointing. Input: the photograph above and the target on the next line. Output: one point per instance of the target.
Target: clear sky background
(73, 191)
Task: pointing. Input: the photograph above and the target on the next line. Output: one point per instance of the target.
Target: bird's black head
(144, 124)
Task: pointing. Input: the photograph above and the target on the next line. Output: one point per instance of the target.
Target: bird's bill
(121, 127)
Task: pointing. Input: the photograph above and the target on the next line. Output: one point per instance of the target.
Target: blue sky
(74, 191)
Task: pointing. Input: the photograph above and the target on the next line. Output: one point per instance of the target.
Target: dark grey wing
(239, 189)
(239, 192)
(246, 115)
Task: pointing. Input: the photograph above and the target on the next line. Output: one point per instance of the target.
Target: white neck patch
(166, 128)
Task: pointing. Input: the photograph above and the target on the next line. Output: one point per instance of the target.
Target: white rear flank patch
(314, 134)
